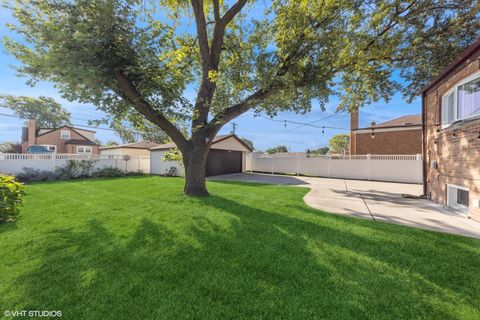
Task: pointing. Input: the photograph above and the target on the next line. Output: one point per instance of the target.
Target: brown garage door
(223, 162)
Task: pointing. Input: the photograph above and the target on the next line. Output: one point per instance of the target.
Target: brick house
(451, 113)
(398, 136)
(65, 139)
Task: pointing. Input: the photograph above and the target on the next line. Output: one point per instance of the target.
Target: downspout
(424, 145)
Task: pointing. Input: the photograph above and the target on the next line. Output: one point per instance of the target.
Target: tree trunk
(195, 163)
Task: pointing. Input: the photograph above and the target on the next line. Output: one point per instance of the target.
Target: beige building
(227, 155)
(136, 149)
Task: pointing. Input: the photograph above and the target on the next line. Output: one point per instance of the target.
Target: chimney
(373, 124)
(353, 126)
(353, 120)
(31, 132)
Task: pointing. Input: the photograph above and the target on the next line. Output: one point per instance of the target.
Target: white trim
(454, 89)
(380, 129)
(454, 203)
(64, 131)
(85, 149)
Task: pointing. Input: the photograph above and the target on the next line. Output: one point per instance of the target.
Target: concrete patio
(378, 201)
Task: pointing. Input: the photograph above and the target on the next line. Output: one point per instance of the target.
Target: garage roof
(216, 140)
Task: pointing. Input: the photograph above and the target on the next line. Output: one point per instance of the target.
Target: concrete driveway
(378, 201)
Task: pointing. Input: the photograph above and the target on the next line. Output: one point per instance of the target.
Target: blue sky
(263, 132)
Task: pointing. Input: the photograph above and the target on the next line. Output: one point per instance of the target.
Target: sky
(263, 132)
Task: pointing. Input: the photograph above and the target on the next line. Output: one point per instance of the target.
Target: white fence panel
(395, 168)
(14, 163)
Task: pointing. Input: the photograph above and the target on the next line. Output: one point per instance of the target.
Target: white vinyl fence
(395, 168)
(13, 163)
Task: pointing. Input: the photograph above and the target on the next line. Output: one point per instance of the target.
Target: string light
(323, 129)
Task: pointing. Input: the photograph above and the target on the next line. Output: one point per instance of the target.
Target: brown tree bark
(195, 163)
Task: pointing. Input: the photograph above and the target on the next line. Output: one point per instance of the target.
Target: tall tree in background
(339, 144)
(248, 142)
(132, 56)
(277, 149)
(134, 129)
(46, 111)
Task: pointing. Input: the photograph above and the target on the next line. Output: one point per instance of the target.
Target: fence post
(298, 164)
(369, 164)
(54, 162)
(329, 165)
(271, 157)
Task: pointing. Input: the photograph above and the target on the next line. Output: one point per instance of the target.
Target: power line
(77, 125)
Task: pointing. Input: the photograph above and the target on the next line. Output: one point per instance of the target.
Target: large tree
(140, 56)
(339, 143)
(46, 111)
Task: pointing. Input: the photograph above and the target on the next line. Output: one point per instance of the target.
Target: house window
(84, 149)
(50, 147)
(468, 99)
(457, 197)
(64, 134)
(462, 102)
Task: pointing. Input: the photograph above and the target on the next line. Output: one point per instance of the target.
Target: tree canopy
(339, 144)
(133, 57)
(46, 111)
(277, 149)
(248, 142)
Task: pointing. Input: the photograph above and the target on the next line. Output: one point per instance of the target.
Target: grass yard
(136, 248)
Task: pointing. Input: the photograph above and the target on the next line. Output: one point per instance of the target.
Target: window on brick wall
(458, 197)
(65, 134)
(82, 149)
(462, 101)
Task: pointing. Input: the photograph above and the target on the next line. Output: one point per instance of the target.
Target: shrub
(109, 172)
(11, 194)
(74, 169)
(34, 175)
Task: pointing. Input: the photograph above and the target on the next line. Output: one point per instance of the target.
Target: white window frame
(84, 150)
(465, 80)
(452, 201)
(50, 145)
(62, 132)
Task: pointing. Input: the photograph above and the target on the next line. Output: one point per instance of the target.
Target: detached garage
(227, 155)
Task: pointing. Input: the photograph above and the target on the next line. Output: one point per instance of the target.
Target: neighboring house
(227, 155)
(141, 148)
(398, 136)
(65, 139)
(451, 124)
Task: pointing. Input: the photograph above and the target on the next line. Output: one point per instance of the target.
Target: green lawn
(136, 248)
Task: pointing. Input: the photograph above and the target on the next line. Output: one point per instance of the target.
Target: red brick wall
(389, 142)
(456, 148)
(53, 138)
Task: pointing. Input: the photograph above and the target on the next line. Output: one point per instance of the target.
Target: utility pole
(234, 127)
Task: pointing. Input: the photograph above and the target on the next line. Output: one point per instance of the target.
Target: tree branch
(233, 11)
(132, 95)
(201, 24)
(237, 109)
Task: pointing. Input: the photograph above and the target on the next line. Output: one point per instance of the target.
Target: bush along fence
(394, 168)
(14, 164)
(11, 194)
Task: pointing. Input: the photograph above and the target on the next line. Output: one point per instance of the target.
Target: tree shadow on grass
(257, 263)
